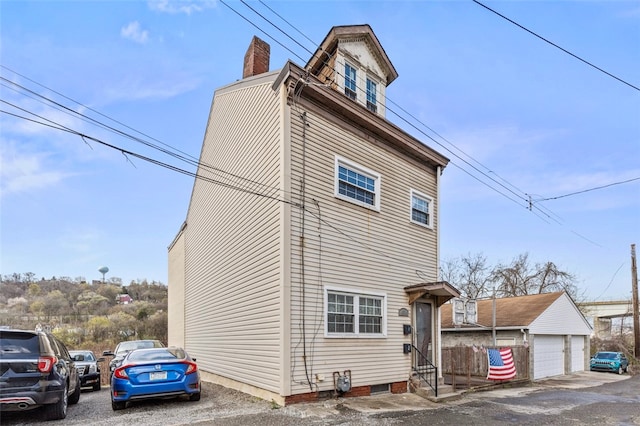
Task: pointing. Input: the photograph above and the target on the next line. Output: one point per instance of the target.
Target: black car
(123, 348)
(88, 368)
(36, 370)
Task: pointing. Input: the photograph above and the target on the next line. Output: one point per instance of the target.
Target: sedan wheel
(620, 370)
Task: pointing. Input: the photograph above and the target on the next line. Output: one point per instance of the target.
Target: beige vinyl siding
(233, 239)
(369, 252)
(175, 308)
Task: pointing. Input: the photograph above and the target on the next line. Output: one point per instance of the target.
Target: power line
(262, 31)
(521, 196)
(128, 153)
(531, 206)
(590, 189)
(171, 151)
(404, 119)
(555, 45)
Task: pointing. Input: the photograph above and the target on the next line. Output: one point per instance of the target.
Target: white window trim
(418, 194)
(356, 295)
(377, 91)
(361, 169)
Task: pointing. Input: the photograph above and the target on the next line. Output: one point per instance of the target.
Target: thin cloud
(135, 33)
(23, 172)
(181, 6)
(137, 89)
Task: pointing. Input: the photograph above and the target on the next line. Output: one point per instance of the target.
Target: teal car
(609, 361)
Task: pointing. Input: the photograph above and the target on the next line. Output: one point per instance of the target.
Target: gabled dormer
(351, 59)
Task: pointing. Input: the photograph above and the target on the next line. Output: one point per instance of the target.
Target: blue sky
(536, 120)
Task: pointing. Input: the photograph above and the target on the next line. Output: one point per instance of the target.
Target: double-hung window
(350, 81)
(357, 184)
(350, 314)
(371, 96)
(421, 209)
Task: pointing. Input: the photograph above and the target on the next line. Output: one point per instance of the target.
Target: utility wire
(522, 197)
(531, 206)
(589, 190)
(262, 31)
(275, 26)
(555, 45)
(404, 119)
(288, 23)
(183, 156)
(50, 123)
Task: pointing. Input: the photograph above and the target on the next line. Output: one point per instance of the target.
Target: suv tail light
(45, 363)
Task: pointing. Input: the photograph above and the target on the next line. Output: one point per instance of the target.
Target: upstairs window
(357, 184)
(350, 81)
(371, 96)
(421, 206)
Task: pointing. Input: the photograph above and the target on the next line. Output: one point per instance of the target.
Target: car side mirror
(107, 353)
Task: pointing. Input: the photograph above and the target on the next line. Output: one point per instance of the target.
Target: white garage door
(548, 356)
(577, 353)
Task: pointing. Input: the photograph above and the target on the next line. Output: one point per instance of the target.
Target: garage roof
(518, 311)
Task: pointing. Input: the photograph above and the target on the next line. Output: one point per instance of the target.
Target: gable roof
(511, 312)
(327, 49)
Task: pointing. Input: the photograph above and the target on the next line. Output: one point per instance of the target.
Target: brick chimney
(256, 60)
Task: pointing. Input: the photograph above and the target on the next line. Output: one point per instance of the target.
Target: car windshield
(129, 346)
(88, 356)
(157, 354)
(606, 355)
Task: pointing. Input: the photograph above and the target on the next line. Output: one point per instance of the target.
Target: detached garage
(550, 325)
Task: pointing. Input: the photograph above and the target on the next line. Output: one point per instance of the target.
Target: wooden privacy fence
(464, 366)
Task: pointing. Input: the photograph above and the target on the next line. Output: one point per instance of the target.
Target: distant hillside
(83, 314)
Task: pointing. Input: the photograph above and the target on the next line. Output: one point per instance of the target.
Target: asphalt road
(615, 403)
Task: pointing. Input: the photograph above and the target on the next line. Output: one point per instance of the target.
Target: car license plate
(158, 375)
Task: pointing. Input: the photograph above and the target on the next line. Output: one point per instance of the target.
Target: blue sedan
(155, 373)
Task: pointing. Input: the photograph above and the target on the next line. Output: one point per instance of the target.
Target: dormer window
(371, 96)
(350, 81)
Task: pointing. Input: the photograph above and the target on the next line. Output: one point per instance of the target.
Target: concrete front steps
(445, 393)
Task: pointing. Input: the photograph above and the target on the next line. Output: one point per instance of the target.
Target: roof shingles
(518, 311)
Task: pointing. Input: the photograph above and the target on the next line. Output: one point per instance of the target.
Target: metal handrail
(426, 369)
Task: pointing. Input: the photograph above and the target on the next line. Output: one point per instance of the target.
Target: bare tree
(470, 274)
(520, 278)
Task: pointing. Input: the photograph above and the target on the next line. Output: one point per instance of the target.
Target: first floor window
(421, 209)
(354, 314)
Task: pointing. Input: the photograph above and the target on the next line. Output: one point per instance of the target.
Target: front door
(424, 330)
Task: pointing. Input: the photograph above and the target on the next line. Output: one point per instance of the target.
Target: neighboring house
(123, 299)
(557, 333)
(310, 245)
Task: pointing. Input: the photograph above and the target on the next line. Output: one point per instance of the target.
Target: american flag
(501, 366)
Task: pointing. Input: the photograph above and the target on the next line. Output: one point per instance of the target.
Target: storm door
(424, 331)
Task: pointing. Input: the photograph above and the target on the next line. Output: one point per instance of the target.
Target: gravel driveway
(218, 406)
